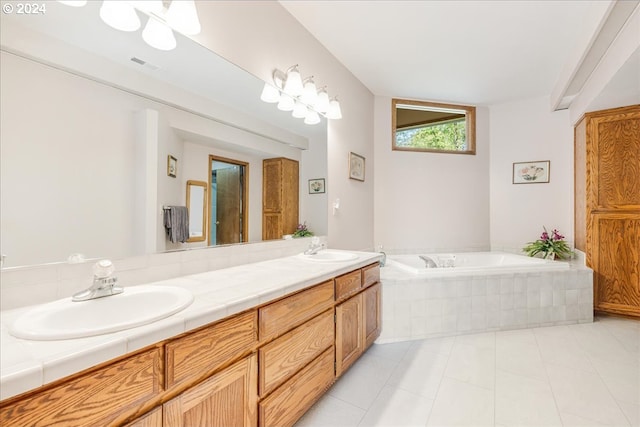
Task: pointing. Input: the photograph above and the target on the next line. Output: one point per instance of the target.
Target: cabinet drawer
(199, 354)
(287, 404)
(348, 284)
(370, 275)
(97, 398)
(286, 355)
(284, 315)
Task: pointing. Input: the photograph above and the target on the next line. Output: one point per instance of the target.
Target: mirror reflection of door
(228, 210)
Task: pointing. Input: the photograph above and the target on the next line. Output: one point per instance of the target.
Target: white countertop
(25, 364)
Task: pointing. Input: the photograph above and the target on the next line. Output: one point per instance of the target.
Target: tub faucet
(314, 246)
(428, 261)
(104, 284)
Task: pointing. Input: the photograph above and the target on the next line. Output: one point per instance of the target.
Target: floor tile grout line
(546, 373)
(589, 357)
(435, 398)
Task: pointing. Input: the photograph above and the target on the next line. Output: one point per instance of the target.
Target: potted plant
(302, 231)
(551, 246)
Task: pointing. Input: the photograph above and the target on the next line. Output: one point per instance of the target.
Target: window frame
(470, 128)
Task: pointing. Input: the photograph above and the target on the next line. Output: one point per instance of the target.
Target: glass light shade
(158, 35)
(74, 3)
(334, 111)
(309, 93)
(286, 103)
(183, 17)
(312, 118)
(293, 84)
(270, 94)
(149, 6)
(300, 110)
(119, 15)
(322, 105)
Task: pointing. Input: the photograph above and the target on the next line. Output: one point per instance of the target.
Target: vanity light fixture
(300, 96)
(181, 16)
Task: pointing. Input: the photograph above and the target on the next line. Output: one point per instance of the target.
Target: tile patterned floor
(577, 375)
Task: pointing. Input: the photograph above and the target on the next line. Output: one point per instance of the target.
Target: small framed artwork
(172, 166)
(316, 186)
(356, 166)
(531, 172)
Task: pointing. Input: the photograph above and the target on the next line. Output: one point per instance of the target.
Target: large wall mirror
(433, 127)
(88, 117)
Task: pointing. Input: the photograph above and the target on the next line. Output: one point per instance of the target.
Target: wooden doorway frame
(245, 198)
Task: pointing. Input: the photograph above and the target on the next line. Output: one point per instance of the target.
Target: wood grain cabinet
(227, 398)
(607, 205)
(264, 367)
(279, 197)
(97, 398)
(358, 319)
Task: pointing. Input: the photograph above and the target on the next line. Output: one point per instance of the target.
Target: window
(432, 127)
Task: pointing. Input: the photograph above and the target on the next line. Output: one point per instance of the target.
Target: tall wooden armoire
(280, 194)
(607, 206)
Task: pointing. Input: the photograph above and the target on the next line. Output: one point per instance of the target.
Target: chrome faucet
(429, 262)
(104, 284)
(314, 246)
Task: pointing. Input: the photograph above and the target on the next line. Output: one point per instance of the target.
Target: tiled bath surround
(417, 307)
(22, 286)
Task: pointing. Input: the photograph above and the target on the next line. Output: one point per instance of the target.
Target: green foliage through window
(449, 136)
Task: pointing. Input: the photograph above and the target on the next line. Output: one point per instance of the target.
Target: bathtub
(482, 291)
(473, 262)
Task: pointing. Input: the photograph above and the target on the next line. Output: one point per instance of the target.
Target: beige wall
(260, 36)
(430, 201)
(524, 131)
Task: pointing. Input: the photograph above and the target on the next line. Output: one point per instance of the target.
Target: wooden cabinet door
(349, 332)
(372, 319)
(228, 398)
(613, 203)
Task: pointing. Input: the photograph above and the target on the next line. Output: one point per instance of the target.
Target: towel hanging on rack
(176, 223)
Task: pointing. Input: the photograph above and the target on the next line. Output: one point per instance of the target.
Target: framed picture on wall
(356, 167)
(316, 186)
(172, 166)
(536, 172)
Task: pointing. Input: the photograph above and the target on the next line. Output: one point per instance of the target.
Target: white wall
(526, 131)
(430, 201)
(260, 36)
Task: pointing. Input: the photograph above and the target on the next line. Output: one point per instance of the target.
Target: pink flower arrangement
(550, 246)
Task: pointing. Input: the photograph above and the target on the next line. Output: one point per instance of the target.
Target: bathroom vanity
(264, 365)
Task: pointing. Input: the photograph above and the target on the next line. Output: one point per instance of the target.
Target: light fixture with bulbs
(300, 96)
(181, 16)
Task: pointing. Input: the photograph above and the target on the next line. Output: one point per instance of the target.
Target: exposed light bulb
(309, 92)
(293, 84)
(300, 110)
(183, 17)
(334, 111)
(73, 3)
(286, 103)
(158, 35)
(322, 105)
(270, 94)
(119, 15)
(312, 118)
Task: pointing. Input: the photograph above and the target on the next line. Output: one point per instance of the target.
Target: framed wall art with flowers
(531, 172)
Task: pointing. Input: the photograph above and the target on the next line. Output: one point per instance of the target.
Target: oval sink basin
(327, 255)
(65, 319)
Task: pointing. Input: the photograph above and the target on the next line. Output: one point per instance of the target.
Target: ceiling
(475, 52)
